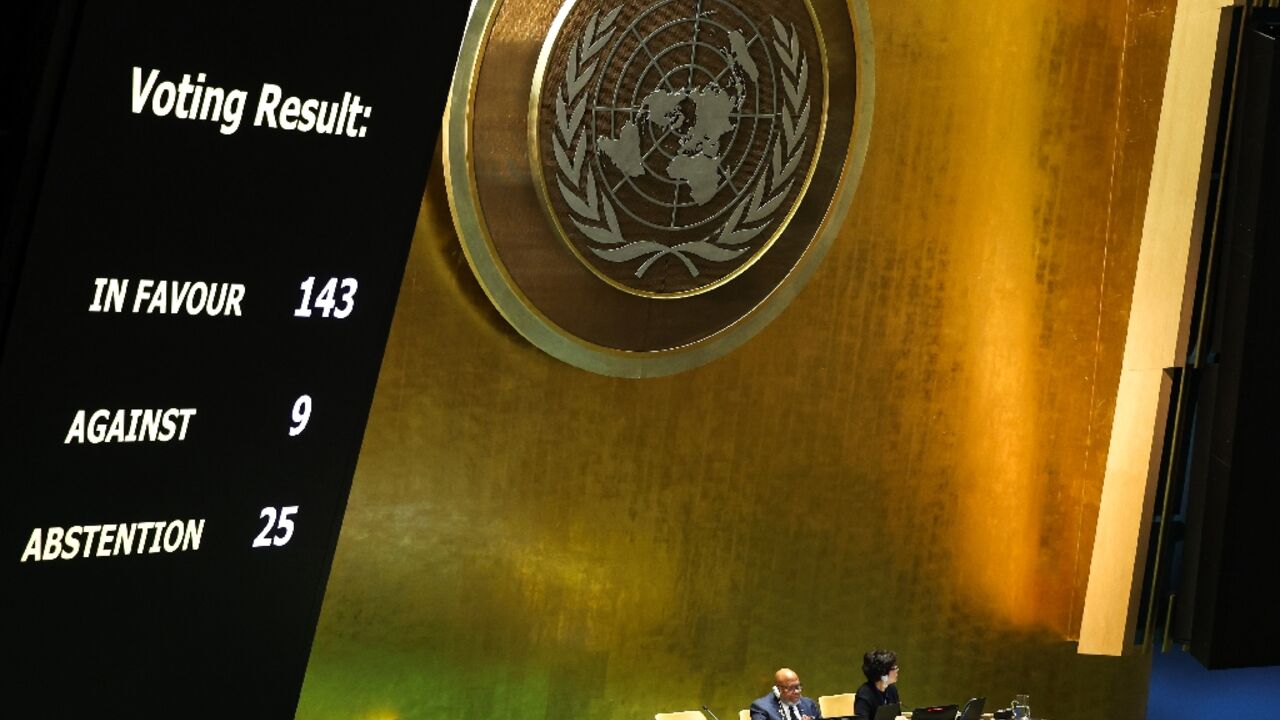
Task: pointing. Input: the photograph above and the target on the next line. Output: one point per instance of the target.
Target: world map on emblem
(699, 117)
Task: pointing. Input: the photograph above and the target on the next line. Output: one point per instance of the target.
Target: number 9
(301, 415)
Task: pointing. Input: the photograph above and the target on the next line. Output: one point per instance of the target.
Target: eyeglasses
(893, 669)
(792, 688)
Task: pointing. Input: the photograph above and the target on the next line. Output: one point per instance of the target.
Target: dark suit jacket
(869, 700)
(767, 708)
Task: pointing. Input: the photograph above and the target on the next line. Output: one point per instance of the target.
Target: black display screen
(217, 245)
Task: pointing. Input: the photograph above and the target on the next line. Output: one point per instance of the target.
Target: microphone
(707, 710)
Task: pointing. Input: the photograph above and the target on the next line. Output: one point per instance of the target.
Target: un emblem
(682, 134)
(692, 159)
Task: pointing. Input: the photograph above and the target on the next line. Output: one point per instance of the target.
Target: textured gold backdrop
(909, 456)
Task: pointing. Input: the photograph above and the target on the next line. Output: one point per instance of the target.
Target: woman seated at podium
(881, 688)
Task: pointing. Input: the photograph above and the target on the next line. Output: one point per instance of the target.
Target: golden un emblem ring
(641, 186)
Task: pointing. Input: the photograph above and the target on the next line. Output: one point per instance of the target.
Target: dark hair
(878, 663)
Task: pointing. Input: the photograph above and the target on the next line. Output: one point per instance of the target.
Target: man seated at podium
(881, 687)
(785, 702)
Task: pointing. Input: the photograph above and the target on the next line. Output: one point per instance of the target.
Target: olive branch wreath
(591, 204)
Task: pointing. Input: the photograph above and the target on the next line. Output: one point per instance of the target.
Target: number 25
(281, 522)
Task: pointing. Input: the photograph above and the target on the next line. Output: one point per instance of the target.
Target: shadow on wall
(1182, 688)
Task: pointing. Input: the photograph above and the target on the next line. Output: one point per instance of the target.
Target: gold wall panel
(1159, 322)
(909, 456)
